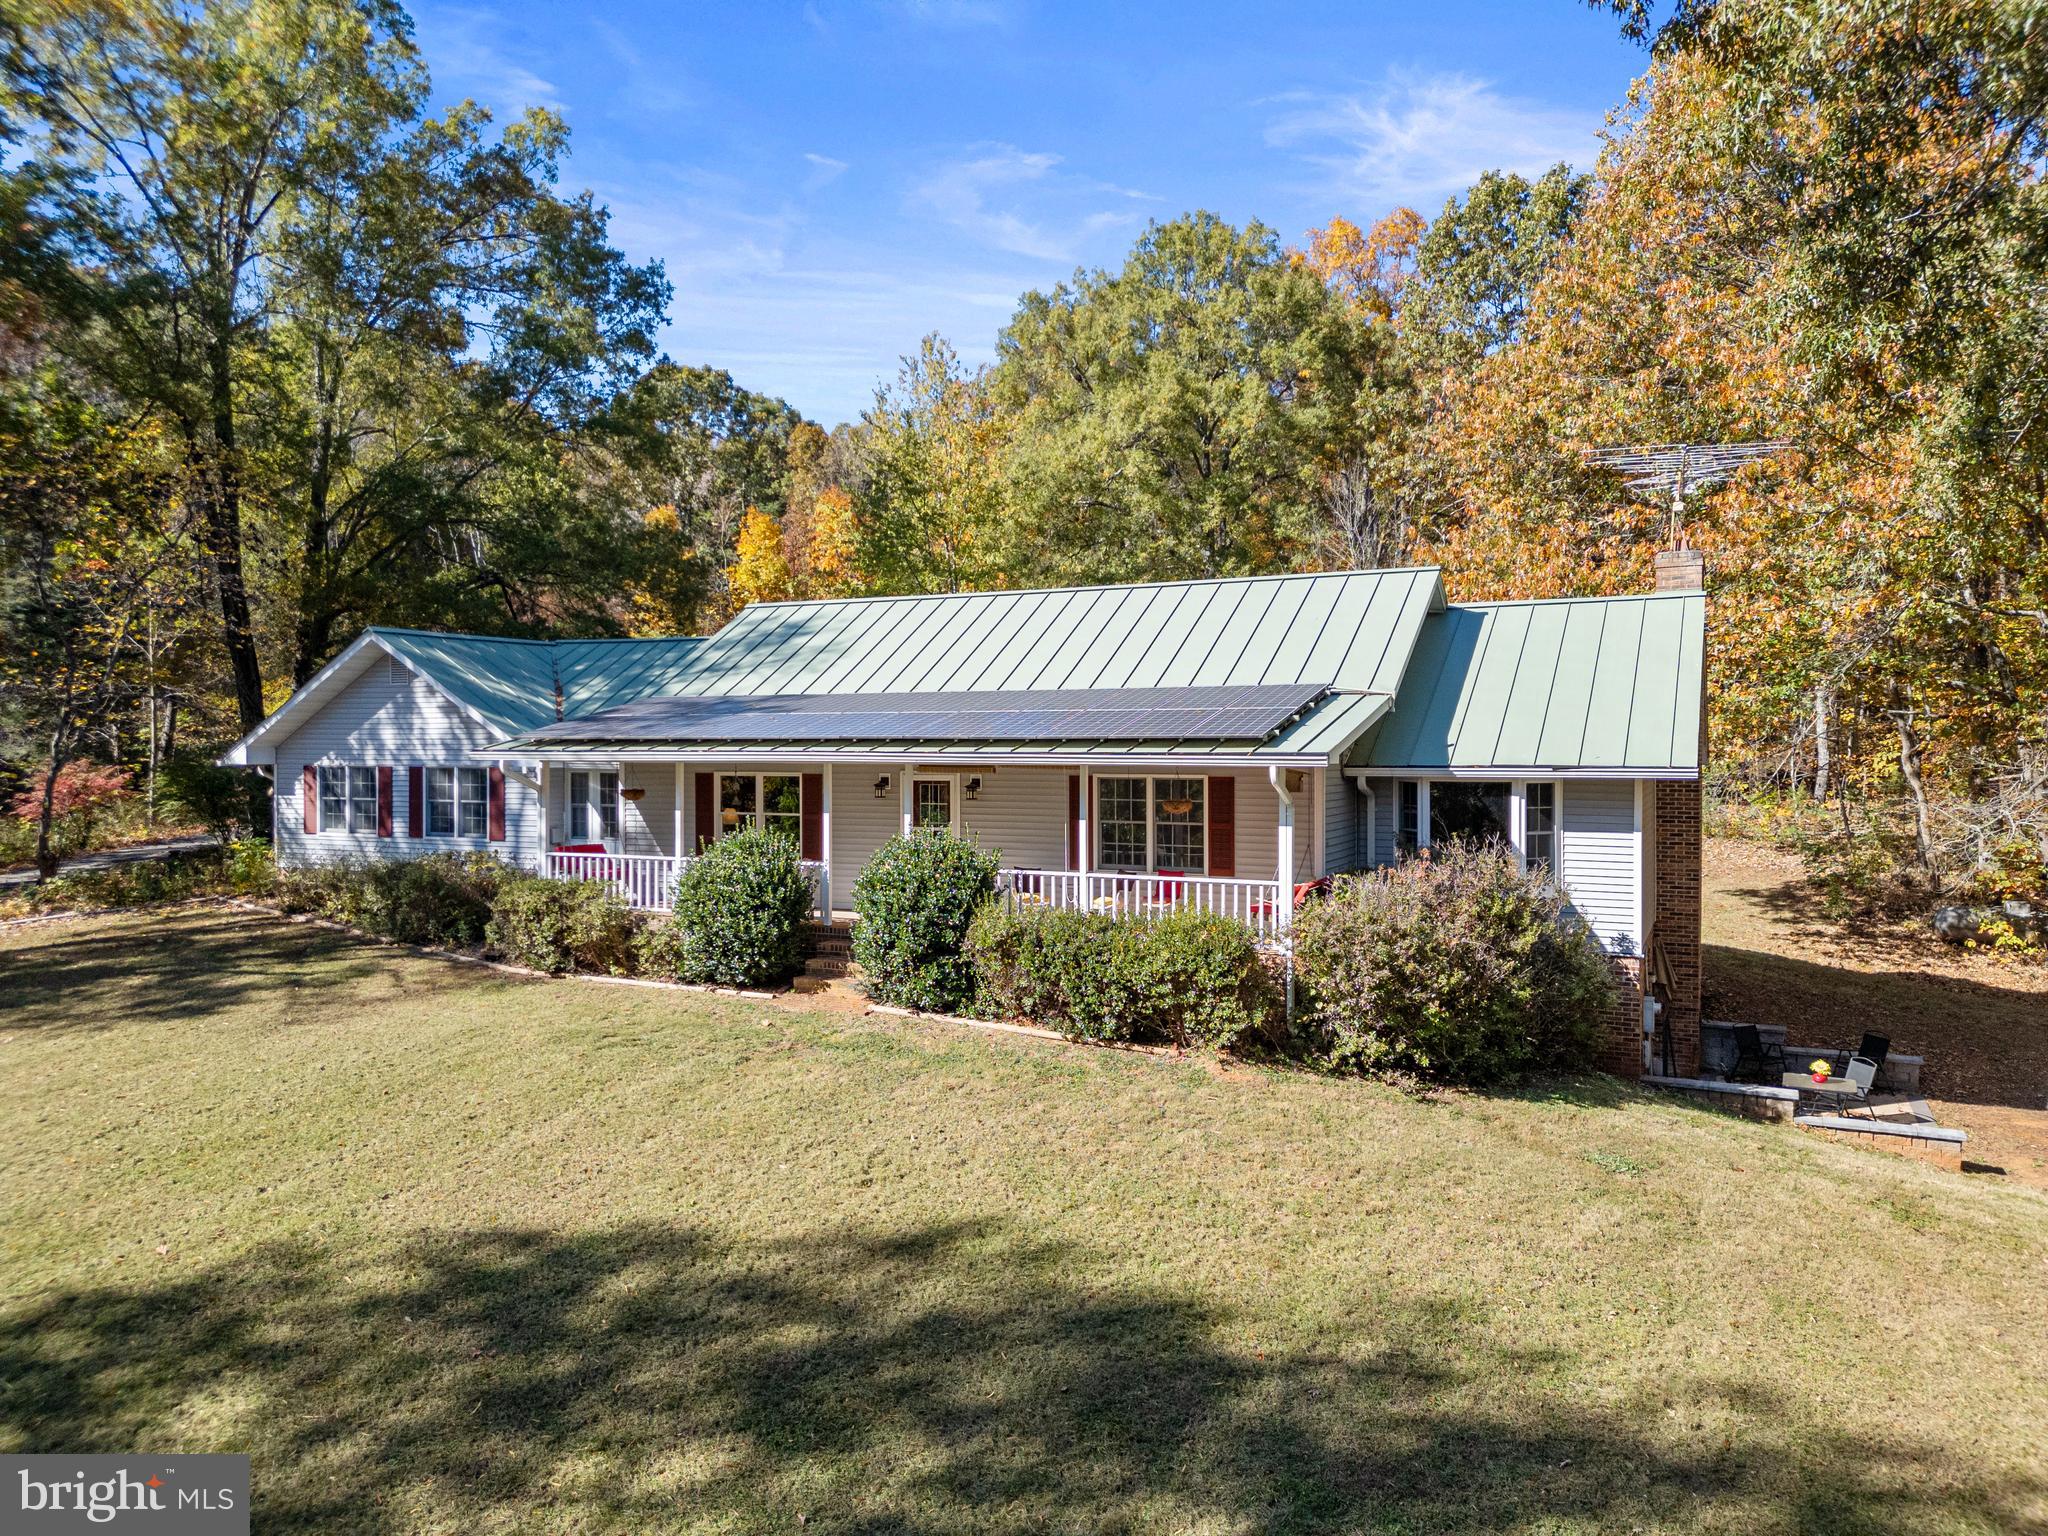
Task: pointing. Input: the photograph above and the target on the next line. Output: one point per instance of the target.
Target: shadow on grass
(184, 965)
(1983, 1044)
(949, 1378)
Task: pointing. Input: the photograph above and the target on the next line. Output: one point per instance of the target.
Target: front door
(932, 804)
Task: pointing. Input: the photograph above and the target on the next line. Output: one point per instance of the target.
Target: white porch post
(1084, 841)
(909, 809)
(825, 838)
(1283, 905)
(1421, 813)
(675, 846)
(540, 862)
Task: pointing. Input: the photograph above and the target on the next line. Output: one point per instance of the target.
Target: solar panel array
(1238, 712)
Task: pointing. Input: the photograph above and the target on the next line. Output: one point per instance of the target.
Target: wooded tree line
(316, 358)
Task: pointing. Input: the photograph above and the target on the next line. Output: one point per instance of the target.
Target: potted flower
(1821, 1068)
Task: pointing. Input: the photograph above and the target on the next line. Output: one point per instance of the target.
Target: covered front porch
(1140, 840)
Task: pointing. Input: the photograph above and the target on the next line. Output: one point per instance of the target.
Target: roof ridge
(1588, 597)
(1099, 586)
(452, 634)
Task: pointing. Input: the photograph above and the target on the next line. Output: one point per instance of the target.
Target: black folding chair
(1757, 1060)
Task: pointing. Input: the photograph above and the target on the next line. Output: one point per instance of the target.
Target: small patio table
(1836, 1090)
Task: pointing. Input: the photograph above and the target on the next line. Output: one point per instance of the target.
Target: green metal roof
(1586, 683)
(511, 683)
(1353, 630)
(1576, 684)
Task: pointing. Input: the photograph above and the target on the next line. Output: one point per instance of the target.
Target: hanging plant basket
(1176, 807)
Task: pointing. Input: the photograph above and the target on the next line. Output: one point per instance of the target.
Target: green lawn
(448, 1250)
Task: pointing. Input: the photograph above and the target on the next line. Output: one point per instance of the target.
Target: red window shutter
(705, 809)
(1223, 828)
(383, 802)
(497, 804)
(416, 801)
(812, 843)
(309, 794)
(1073, 821)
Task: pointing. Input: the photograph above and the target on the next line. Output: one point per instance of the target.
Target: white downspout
(1283, 906)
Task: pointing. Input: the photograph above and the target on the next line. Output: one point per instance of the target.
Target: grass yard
(448, 1250)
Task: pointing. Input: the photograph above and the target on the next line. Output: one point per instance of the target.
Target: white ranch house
(1220, 744)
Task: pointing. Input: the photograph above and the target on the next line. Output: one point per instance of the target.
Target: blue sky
(827, 181)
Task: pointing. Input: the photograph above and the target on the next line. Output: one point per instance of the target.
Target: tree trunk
(221, 498)
(1823, 711)
(46, 852)
(1909, 770)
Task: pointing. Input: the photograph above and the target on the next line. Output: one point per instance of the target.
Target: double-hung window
(593, 817)
(473, 802)
(1539, 831)
(1408, 827)
(333, 799)
(348, 799)
(1148, 824)
(440, 802)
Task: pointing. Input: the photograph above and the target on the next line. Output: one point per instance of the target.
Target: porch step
(834, 940)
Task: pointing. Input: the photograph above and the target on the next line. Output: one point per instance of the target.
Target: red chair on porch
(1171, 884)
(1304, 893)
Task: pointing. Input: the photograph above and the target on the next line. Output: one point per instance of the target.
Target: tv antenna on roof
(1676, 468)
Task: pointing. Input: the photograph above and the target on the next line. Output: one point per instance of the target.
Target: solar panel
(1242, 712)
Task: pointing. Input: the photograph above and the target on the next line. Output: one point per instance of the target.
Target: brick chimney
(1680, 569)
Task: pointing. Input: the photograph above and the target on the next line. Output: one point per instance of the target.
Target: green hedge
(444, 898)
(1459, 968)
(561, 925)
(1184, 979)
(912, 903)
(740, 910)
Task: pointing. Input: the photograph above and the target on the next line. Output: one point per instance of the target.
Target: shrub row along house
(1220, 745)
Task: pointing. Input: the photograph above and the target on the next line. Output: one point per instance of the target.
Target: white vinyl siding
(860, 822)
(389, 717)
(1343, 818)
(1598, 862)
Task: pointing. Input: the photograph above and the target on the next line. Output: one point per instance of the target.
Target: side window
(441, 802)
(1539, 839)
(473, 809)
(579, 806)
(362, 800)
(1121, 808)
(1408, 821)
(333, 799)
(608, 804)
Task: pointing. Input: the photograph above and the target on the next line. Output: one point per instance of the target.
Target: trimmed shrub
(1459, 968)
(739, 915)
(561, 925)
(444, 898)
(913, 903)
(1185, 979)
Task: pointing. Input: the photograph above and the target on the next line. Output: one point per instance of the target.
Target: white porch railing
(646, 882)
(1255, 903)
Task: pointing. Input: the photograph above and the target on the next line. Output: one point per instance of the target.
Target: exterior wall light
(974, 787)
(881, 786)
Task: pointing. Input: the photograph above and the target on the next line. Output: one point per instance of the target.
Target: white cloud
(1041, 213)
(1419, 138)
(824, 169)
(462, 49)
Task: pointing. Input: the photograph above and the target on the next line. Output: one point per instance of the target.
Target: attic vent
(395, 672)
